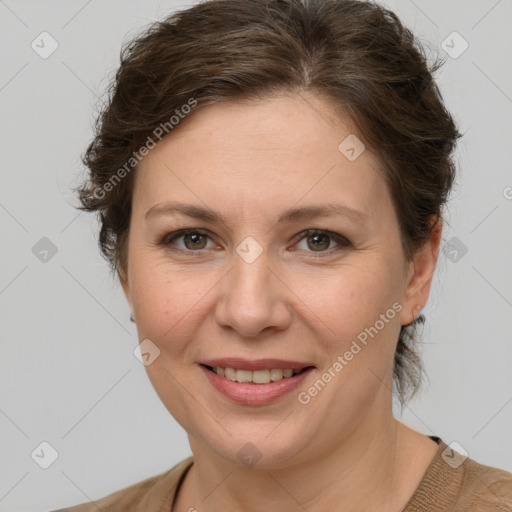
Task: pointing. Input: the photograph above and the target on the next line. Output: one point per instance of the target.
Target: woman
(271, 178)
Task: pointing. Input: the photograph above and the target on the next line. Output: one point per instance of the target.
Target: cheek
(169, 312)
(169, 304)
(354, 297)
(359, 310)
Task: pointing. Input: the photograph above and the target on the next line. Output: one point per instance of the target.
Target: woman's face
(256, 286)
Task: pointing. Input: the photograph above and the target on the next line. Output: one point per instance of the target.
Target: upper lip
(255, 364)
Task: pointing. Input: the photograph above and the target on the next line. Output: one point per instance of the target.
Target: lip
(255, 364)
(255, 394)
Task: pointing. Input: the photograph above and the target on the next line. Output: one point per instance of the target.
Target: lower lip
(255, 394)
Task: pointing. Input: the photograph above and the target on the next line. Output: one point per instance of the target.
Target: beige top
(451, 483)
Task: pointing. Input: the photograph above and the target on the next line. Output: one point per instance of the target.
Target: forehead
(297, 123)
(268, 153)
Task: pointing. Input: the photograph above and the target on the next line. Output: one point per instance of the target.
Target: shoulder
(485, 488)
(453, 482)
(149, 494)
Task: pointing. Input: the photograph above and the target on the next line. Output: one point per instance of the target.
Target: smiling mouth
(257, 376)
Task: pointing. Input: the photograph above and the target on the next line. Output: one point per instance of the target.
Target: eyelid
(342, 241)
(170, 237)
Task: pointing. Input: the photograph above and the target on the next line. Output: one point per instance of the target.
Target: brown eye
(321, 241)
(193, 240)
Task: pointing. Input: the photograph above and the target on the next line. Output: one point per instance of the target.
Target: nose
(253, 299)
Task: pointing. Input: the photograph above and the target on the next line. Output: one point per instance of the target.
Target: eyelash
(169, 238)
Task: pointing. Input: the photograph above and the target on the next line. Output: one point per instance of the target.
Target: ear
(420, 273)
(123, 279)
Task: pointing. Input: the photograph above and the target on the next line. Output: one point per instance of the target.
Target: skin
(250, 161)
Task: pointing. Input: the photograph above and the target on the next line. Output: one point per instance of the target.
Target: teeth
(257, 376)
(243, 376)
(276, 374)
(229, 373)
(260, 376)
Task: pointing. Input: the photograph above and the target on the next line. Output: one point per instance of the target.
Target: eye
(318, 240)
(193, 239)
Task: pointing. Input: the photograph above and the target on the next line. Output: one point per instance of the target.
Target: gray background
(68, 374)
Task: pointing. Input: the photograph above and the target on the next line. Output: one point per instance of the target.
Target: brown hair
(356, 52)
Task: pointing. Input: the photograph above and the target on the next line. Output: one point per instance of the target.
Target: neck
(377, 469)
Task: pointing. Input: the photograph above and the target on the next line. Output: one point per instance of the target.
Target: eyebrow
(288, 216)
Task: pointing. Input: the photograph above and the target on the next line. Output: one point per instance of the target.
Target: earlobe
(415, 314)
(123, 279)
(420, 275)
(127, 293)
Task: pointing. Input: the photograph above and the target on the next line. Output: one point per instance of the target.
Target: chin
(259, 447)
